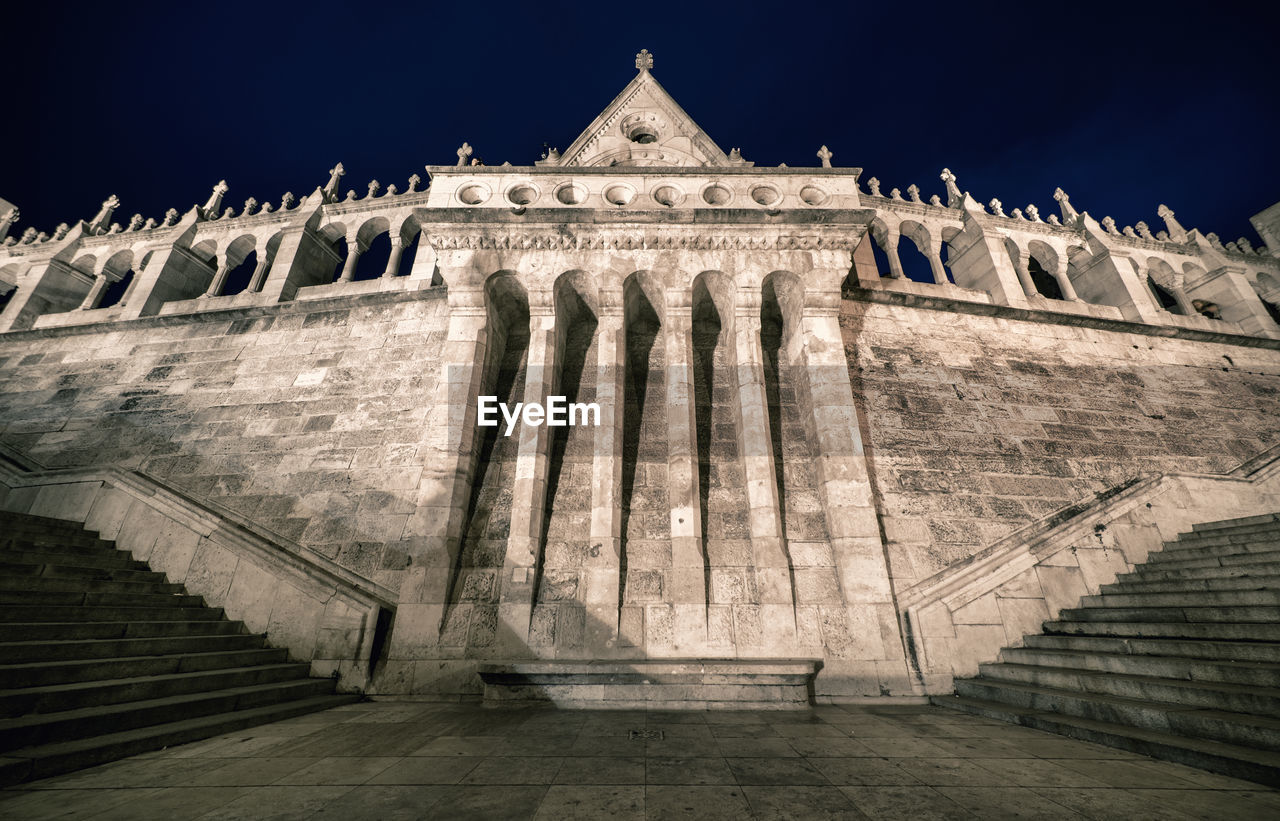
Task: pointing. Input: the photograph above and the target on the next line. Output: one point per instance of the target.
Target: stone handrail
(318, 610)
(962, 616)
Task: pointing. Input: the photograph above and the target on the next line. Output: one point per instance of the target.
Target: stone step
(1192, 586)
(1227, 759)
(1267, 652)
(46, 728)
(1195, 723)
(31, 763)
(37, 613)
(1259, 541)
(58, 571)
(88, 585)
(21, 652)
(1248, 673)
(64, 598)
(1243, 614)
(1227, 524)
(55, 698)
(1269, 571)
(49, 524)
(170, 625)
(95, 560)
(46, 672)
(1216, 695)
(61, 547)
(1259, 553)
(1205, 598)
(1137, 628)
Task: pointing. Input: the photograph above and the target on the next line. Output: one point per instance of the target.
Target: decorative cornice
(633, 242)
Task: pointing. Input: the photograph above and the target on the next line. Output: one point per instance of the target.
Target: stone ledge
(678, 684)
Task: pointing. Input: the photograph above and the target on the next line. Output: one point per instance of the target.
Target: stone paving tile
(577, 803)
(1008, 802)
(808, 803)
(601, 770)
(390, 761)
(695, 803)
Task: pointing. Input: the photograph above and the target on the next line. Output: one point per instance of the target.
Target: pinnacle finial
(644, 60)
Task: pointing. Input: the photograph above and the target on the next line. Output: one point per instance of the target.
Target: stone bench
(683, 684)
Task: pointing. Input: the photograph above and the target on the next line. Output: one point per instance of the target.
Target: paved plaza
(403, 760)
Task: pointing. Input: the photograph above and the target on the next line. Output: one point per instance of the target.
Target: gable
(644, 126)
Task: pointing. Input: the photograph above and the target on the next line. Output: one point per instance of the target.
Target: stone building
(873, 434)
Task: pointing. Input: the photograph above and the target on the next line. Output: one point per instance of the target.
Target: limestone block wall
(976, 425)
(305, 419)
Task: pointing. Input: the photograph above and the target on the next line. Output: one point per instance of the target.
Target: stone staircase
(101, 658)
(1179, 659)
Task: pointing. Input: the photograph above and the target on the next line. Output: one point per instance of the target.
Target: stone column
(686, 580)
(220, 278)
(397, 251)
(1174, 286)
(94, 296)
(603, 566)
(432, 536)
(891, 251)
(768, 547)
(1022, 266)
(1064, 282)
(353, 256)
(259, 274)
(935, 263)
(869, 659)
(517, 584)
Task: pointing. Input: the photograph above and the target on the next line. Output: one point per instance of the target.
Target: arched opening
(566, 521)
(114, 293)
(242, 258)
(1158, 269)
(1268, 290)
(339, 249)
(1163, 297)
(472, 617)
(410, 253)
(916, 265)
(645, 553)
(1045, 283)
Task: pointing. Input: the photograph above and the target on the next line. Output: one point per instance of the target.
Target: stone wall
(976, 425)
(305, 418)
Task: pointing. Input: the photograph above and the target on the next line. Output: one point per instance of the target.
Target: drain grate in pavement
(646, 734)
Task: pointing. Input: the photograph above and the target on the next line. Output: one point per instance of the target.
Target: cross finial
(825, 155)
(644, 60)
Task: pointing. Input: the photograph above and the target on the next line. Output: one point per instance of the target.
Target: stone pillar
(353, 256)
(94, 296)
(868, 658)
(1174, 287)
(603, 566)
(397, 251)
(219, 279)
(518, 582)
(432, 536)
(768, 547)
(891, 251)
(1064, 282)
(935, 263)
(686, 586)
(1022, 266)
(259, 275)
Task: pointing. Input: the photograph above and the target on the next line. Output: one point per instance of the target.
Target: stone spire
(214, 203)
(330, 191)
(954, 197)
(100, 223)
(1069, 213)
(7, 221)
(1176, 232)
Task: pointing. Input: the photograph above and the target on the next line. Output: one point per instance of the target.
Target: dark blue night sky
(1124, 107)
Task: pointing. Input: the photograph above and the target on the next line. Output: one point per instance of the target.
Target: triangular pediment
(644, 126)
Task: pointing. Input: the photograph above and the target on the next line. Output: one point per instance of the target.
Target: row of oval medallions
(623, 195)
